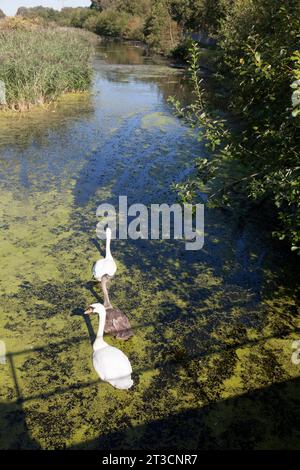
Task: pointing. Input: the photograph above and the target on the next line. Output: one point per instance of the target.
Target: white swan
(110, 363)
(105, 266)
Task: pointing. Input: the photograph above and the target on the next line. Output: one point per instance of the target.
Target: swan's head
(95, 308)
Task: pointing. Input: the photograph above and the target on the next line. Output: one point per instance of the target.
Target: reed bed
(38, 64)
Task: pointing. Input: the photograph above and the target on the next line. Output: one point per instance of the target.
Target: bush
(108, 23)
(74, 17)
(119, 18)
(258, 159)
(48, 14)
(260, 42)
(134, 28)
(182, 51)
(91, 22)
(10, 23)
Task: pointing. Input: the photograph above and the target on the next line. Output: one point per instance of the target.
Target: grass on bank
(38, 64)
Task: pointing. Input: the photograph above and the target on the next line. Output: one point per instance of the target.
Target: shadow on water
(262, 418)
(118, 53)
(259, 419)
(14, 433)
(88, 323)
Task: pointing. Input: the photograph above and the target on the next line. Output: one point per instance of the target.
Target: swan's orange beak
(89, 311)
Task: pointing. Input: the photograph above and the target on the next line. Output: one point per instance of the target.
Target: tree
(75, 17)
(161, 31)
(48, 14)
(135, 7)
(204, 15)
(22, 11)
(102, 5)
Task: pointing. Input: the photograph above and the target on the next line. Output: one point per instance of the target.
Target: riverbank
(253, 165)
(39, 64)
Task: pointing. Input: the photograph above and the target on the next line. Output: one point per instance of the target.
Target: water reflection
(125, 63)
(126, 53)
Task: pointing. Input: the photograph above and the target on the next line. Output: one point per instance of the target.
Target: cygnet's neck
(107, 303)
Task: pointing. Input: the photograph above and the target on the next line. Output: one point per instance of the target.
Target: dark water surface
(213, 329)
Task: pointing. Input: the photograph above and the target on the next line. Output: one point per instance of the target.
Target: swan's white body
(113, 367)
(110, 363)
(107, 265)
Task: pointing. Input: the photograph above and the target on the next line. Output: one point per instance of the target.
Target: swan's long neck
(108, 240)
(99, 342)
(107, 303)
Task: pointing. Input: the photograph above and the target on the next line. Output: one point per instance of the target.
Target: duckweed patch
(160, 120)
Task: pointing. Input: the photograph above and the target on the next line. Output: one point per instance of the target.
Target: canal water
(214, 328)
